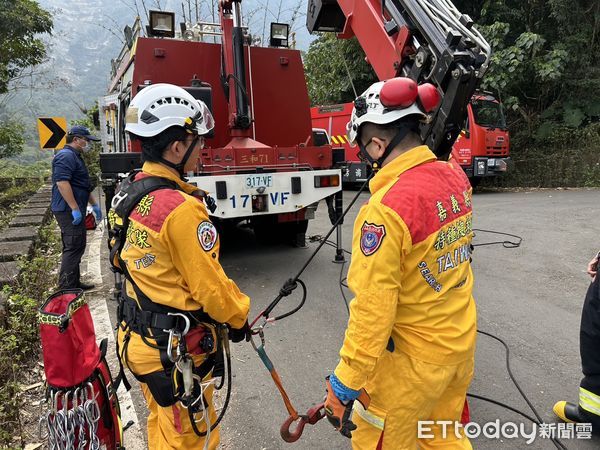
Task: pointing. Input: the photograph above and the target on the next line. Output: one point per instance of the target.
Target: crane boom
(426, 40)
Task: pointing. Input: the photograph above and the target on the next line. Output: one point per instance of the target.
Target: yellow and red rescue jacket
(410, 272)
(172, 255)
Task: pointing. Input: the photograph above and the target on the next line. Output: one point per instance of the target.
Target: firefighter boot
(567, 412)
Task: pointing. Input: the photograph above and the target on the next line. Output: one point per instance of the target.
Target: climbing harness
(176, 334)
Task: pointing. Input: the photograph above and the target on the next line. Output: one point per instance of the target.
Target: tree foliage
(545, 61)
(11, 138)
(92, 156)
(21, 23)
(335, 69)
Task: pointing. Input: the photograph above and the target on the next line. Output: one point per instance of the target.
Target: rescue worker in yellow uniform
(410, 340)
(173, 275)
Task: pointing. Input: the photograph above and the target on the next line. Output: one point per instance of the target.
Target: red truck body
(260, 163)
(482, 148)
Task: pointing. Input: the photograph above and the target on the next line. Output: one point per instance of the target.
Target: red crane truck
(482, 147)
(260, 163)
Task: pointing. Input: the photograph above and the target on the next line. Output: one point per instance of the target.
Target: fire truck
(260, 164)
(482, 147)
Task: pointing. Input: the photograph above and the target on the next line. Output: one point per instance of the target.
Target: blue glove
(341, 391)
(77, 217)
(97, 212)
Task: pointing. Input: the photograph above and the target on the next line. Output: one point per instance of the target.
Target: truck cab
(482, 148)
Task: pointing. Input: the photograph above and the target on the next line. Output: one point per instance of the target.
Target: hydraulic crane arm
(426, 40)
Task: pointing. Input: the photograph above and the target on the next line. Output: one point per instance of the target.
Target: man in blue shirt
(71, 193)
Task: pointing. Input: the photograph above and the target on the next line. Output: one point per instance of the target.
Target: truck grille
(496, 151)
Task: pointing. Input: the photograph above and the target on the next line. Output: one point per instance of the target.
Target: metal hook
(172, 334)
(312, 416)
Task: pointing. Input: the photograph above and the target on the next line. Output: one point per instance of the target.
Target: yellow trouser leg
(170, 428)
(405, 391)
(449, 407)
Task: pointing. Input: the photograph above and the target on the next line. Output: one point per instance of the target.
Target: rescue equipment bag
(84, 410)
(90, 222)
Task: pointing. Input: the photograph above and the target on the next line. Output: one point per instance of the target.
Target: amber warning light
(322, 181)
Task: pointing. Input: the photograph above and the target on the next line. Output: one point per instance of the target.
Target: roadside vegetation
(24, 27)
(19, 341)
(545, 69)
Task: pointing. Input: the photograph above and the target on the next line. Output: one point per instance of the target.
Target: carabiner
(260, 331)
(187, 323)
(172, 335)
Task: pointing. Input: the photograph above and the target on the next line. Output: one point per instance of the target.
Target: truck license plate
(258, 181)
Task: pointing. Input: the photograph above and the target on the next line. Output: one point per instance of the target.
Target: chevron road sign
(52, 132)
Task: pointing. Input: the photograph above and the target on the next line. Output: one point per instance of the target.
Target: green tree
(545, 61)
(11, 138)
(92, 156)
(21, 23)
(336, 69)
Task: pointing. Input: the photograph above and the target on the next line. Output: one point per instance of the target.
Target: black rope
(505, 243)
(227, 395)
(284, 291)
(342, 286)
(539, 420)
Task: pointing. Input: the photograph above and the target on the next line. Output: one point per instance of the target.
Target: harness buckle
(118, 198)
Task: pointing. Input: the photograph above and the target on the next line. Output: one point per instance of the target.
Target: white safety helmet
(391, 100)
(160, 106)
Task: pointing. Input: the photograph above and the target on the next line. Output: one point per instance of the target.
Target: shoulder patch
(371, 237)
(207, 236)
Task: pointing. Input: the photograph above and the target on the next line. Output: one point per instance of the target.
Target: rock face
(8, 273)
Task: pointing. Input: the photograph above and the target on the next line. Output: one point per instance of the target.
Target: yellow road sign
(53, 132)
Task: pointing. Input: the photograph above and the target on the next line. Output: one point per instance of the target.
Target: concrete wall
(16, 240)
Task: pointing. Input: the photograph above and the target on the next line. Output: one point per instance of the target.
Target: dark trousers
(73, 241)
(589, 342)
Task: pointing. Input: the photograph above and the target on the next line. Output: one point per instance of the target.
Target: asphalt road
(529, 296)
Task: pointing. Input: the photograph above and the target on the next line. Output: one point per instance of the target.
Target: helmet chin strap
(377, 163)
(179, 167)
